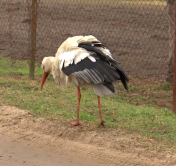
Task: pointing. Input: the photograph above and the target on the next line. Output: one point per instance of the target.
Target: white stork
(84, 60)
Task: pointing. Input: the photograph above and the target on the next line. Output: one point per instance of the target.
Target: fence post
(174, 72)
(33, 38)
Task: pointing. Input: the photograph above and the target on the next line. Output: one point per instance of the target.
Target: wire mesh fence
(139, 33)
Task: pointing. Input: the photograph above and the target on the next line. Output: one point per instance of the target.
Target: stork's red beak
(45, 75)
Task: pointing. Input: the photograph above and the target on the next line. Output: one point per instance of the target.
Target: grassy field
(119, 111)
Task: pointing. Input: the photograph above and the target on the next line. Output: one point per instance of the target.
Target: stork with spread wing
(83, 60)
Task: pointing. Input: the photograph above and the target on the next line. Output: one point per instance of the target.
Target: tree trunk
(170, 6)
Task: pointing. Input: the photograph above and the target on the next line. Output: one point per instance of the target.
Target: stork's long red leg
(101, 119)
(79, 98)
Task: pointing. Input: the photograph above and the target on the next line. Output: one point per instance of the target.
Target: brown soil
(137, 35)
(20, 152)
(99, 146)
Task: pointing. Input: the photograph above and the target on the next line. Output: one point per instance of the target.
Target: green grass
(118, 112)
(9, 66)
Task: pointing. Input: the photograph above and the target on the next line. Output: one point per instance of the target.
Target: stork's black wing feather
(95, 47)
(98, 72)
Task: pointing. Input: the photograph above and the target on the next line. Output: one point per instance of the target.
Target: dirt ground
(32, 141)
(24, 152)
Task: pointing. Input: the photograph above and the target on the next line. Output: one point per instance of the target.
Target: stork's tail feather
(103, 90)
(123, 77)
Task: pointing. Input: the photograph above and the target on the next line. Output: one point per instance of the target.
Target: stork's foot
(102, 123)
(75, 124)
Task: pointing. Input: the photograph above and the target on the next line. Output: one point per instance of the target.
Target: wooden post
(33, 38)
(174, 71)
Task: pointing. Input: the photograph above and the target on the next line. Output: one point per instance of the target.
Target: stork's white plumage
(84, 60)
